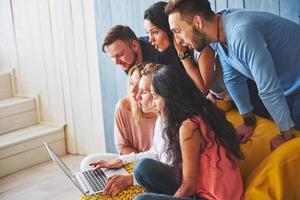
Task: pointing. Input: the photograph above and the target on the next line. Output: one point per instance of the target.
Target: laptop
(89, 182)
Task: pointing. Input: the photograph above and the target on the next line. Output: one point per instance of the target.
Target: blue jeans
(155, 176)
(158, 179)
(293, 102)
(155, 196)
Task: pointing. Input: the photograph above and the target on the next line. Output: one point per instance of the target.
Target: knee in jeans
(142, 167)
(143, 164)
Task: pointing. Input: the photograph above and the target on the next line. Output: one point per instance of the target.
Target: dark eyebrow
(152, 29)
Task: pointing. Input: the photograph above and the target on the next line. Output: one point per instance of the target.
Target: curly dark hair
(182, 100)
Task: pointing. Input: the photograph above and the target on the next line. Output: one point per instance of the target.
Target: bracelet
(184, 54)
(249, 121)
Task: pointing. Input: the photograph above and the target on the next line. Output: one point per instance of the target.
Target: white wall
(51, 44)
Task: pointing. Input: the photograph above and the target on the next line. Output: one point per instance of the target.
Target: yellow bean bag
(278, 176)
(257, 148)
(127, 194)
(269, 175)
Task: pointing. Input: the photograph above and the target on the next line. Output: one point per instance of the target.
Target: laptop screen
(58, 161)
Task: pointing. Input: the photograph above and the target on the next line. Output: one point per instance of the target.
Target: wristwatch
(249, 121)
(184, 54)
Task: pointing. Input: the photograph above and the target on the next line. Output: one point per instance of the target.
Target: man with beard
(126, 50)
(255, 45)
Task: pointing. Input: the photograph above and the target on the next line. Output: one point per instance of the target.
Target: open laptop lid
(64, 167)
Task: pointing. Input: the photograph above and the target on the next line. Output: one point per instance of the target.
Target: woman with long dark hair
(202, 67)
(201, 144)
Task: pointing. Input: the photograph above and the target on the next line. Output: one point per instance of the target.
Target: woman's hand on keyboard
(117, 184)
(113, 164)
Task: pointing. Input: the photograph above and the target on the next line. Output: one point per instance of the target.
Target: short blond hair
(150, 68)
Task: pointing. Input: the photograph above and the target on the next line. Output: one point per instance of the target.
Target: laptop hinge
(81, 182)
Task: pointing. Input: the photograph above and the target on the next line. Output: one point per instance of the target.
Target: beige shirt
(128, 133)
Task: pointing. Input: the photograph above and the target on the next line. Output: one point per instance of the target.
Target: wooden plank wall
(130, 12)
(51, 44)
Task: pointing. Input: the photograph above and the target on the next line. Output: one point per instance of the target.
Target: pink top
(222, 181)
(130, 134)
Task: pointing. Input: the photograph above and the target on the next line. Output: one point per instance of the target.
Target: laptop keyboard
(97, 179)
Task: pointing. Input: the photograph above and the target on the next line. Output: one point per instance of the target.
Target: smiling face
(144, 96)
(158, 102)
(186, 33)
(157, 37)
(122, 53)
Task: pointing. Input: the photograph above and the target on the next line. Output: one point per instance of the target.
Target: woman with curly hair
(202, 146)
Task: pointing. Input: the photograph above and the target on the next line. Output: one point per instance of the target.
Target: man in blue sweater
(256, 45)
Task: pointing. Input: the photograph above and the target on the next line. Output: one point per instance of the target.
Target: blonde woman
(134, 129)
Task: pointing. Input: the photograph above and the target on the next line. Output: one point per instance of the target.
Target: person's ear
(134, 45)
(198, 21)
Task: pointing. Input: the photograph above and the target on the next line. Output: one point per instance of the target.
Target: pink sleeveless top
(216, 179)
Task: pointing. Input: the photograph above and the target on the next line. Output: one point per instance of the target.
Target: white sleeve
(137, 156)
(151, 153)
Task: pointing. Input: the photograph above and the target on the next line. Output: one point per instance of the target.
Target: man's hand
(117, 184)
(280, 139)
(178, 45)
(245, 132)
(113, 164)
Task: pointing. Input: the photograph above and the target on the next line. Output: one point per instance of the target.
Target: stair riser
(17, 121)
(5, 86)
(30, 144)
(18, 107)
(29, 158)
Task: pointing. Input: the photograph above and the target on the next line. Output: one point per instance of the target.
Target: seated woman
(157, 151)
(201, 66)
(201, 145)
(134, 129)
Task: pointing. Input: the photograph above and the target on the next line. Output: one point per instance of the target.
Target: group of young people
(170, 124)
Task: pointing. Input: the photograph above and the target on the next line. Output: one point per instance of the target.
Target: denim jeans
(155, 196)
(158, 179)
(294, 106)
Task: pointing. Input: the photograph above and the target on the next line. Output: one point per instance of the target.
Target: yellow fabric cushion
(257, 148)
(225, 105)
(127, 194)
(269, 175)
(278, 176)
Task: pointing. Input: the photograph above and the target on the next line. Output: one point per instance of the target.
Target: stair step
(16, 113)
(24, 148)
(5, 86)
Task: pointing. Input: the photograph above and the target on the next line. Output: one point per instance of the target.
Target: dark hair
(184, 101)
(189, 8)
(118, 32)
(157, 15)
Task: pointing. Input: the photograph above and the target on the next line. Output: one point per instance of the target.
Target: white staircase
(21, 133)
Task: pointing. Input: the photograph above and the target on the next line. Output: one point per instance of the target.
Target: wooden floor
(41, 182)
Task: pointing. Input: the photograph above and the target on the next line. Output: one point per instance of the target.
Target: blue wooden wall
(130, 13)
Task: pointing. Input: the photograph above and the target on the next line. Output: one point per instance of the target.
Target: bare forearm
(195, 74)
